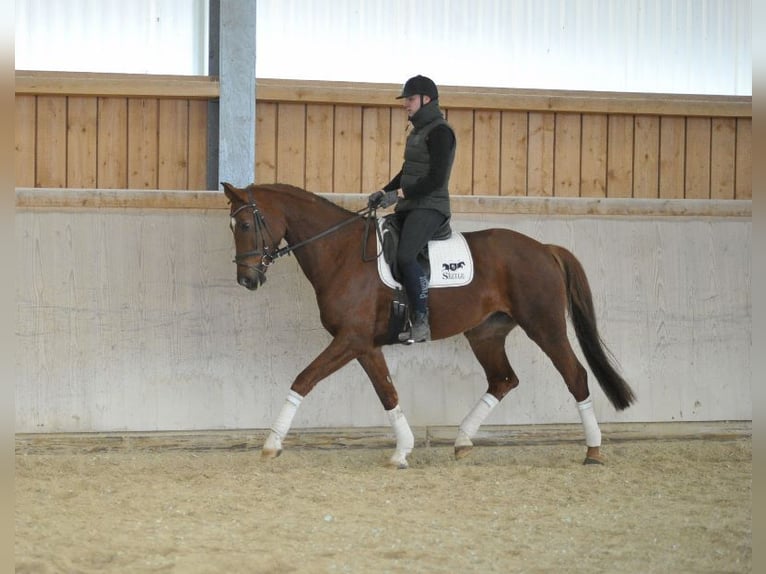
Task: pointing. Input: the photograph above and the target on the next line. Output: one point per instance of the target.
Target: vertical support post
(231, 120)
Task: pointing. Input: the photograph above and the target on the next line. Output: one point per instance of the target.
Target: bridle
(267, 250)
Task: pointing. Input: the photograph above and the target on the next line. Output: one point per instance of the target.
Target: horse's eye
(244, 226)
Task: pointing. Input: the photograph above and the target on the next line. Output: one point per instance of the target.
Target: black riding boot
(416, 285)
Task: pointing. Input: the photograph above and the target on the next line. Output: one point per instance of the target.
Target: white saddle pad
(451, 262)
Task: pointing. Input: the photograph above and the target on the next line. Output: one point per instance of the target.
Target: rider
(421, 193)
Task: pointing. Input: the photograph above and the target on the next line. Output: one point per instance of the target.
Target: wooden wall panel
(461, 180)
(723, 147)
(25, 120)
(672, 157)
(82, 142)
(486, 153)
(594, 160)
(619, 174)
(399, 124)
(173, 144)
(744, 166)
(566, 155)
(376, 148)
(319, 147)
(197, 144)
(112, 143)
(646, 159)
(50, 141)
(143, 126)
(330, 139)
(291, 144)
(697, 158)
(347, 177)
(542, 127)
(266, 143)
(513, 153)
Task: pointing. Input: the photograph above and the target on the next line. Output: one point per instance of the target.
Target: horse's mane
(300, 194)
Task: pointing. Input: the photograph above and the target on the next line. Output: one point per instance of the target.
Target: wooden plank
(511, 99)
(25, 119)
(142, 143)
(723, 147)
(376, 148)
(319, 147)
(266, 143)
(461, 179)
(197, 145)
(112, 143)
(567, 154)
(82, 142)
(646, 158)
(594, 151)
(542, 127)
(743, 188)
(400, 126)
(361, 93)
(173, 144)
(486, 153)
(619, 156)
(347, 176)
(50, 143)
(697, 158)
(291, 144)
(89, 199)
(513, 153)
(126, 85)
(672, 157)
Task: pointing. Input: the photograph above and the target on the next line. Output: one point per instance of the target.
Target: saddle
(391, 230)
(446, 260)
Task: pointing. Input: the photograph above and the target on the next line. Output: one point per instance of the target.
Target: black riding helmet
(419, 85)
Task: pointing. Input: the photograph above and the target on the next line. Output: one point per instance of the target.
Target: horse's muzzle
(252, 281)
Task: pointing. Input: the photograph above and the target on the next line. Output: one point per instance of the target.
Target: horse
(518, 281)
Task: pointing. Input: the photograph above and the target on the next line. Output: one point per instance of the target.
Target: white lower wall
(131, 320)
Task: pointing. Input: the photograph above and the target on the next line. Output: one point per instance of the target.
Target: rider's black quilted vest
(417, 161)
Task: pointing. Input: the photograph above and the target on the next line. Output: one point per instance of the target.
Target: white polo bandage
(588, 418)
(475, 418)
(405, 440)
(282, 425)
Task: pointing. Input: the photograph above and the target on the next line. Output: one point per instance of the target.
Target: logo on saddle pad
(450, 261)
(453, 270)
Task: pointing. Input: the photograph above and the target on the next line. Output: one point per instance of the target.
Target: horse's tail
(584, 320)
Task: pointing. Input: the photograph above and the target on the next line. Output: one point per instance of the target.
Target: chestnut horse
(517, 281)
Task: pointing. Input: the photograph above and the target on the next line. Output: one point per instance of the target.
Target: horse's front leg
(374, 364)
(335, 356)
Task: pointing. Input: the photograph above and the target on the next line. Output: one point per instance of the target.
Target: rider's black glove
(382, 199)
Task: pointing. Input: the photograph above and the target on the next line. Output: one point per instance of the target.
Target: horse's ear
(228, 189)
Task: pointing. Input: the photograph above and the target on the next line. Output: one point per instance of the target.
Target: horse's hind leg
(488, 344)
(549, 332)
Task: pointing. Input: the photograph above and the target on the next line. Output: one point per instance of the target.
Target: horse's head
(255, 240)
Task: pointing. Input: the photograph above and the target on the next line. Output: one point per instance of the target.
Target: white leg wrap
(588, 418)
(281, 426)
(405, 440)
(474, 419)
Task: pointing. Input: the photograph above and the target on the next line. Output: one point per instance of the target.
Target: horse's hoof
(269, 453)
(591, 460)
(462, 451)
(398, 464)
